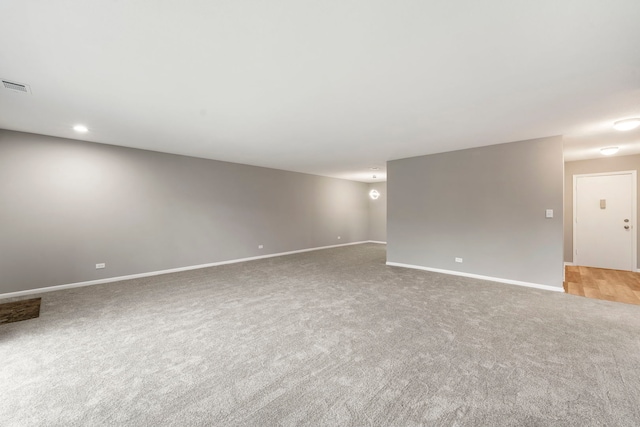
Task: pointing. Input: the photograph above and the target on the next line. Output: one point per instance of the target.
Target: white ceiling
(323, 87)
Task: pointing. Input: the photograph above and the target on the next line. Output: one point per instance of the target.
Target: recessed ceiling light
(626, 124)
(608, 151)
(80, 128)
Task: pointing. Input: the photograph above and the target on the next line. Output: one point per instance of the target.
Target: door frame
(634, 208)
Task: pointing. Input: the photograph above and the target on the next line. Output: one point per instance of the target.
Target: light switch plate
(549, 213)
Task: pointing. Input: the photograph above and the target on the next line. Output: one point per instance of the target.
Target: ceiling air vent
(16, 87)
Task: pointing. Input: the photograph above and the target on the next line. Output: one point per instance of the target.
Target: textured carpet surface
(326, 338)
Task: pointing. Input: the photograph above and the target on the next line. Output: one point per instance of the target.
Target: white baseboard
(171, 270)
(377, 241)
(477, 276)
(637, 270)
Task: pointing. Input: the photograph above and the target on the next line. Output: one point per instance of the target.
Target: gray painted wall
(378, 213)
(67, 205)
(605, 164)
(485, 205)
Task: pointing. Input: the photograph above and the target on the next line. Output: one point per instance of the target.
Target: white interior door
(604, 220)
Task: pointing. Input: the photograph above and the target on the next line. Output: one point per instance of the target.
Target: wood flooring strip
(572, 276)
(599, 283)
(575, 289)
(606, 288)
(593, 293)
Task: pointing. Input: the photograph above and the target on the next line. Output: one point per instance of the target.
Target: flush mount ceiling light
(80, 128)
(626, 124)
(374, 194)
(608, 151)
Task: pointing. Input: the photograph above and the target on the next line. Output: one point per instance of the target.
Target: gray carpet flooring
(326, 338)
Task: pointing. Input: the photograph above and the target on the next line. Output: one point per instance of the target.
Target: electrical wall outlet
(458, 259)
(100, 265)
(260, 246)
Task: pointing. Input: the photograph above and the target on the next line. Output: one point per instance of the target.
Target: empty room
(287, 213)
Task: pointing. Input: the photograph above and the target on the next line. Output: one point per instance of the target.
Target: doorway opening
(604, 237)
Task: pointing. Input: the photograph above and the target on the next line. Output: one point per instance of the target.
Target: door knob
(626, 227)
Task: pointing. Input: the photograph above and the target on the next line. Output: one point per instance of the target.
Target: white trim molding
(171, 270)
(377, 241)
(478, 276)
